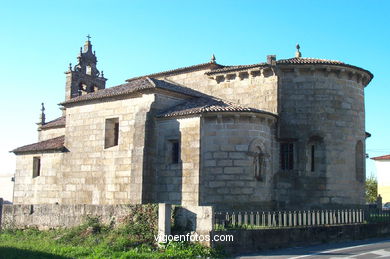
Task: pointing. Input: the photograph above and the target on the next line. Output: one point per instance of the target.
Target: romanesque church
(277, 134)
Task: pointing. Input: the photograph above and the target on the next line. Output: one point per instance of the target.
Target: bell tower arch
(84, 77)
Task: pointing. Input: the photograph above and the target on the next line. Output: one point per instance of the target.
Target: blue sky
(131, 38)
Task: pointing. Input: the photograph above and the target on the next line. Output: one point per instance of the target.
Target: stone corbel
(252, 118)
(351, 75)
(312, 70)
(296, 71)
(340, 72)
(219, 118)
(327, 71)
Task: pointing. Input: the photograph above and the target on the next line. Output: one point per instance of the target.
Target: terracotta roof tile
(210, 65)
(309, 61)
(235, 68)
(56, 123)
(134, 86)
(289, 61)
(54, 144)
(204, 105)
(386, 157)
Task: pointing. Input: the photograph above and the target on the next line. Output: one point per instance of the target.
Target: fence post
(1, 210)
(164, 221)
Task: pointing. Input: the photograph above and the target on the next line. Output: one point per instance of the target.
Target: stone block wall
(229, 147)
(178, 183)
(47, 216)
(90, 173)
(194, 218)
(50, 133)
(45, 188)
(257, 90)
(249, 241)
(326, 104)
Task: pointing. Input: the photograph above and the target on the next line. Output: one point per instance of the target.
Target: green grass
(93, 240)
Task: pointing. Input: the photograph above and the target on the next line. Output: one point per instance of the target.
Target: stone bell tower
(84, 77)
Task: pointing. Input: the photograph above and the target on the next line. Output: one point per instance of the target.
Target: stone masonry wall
(89, 173)
(47, 216)
(50, 133)
(258, 91)
(45, 188)
(228, 165)
(178, 183)
(330, 105)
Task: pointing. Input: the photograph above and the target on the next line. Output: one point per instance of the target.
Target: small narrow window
(111, 137)
(174, 151)
(36, 166)
(359, 161)
(312, 164)
(287, 156)
(116, 133)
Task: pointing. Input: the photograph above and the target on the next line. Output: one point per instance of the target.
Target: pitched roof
(134, 86)
(235, 68)
(54, 144)
(309, 61)
(204, 105)
(289, 61)
(386, 157)
(56, 123)
(209, 65)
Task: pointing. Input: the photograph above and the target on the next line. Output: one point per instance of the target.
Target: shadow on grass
(15, 253)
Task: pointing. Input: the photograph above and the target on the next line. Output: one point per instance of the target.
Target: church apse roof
(205, 105)
(289, 61)
(138, 85)
(54, 144)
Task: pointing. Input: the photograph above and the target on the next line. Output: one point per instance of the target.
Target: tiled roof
(210, 65)
(54, 144)
(290, 61)
(133, 87)
(204, 105)
(57, 123)
(309, 61)
(386, 157)
(235, 68)
(304, 61)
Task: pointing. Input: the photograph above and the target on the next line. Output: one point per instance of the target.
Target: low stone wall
(194, 218)
(247, 241)
(46, 216)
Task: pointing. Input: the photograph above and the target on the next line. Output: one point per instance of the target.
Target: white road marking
(344, 248)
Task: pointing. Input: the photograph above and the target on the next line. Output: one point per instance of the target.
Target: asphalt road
(373, 248)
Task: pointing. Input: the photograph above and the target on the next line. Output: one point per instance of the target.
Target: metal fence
(271, 219)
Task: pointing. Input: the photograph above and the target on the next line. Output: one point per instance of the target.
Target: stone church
(276, 134)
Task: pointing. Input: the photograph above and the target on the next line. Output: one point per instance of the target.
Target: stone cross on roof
(298, 54)
(88, 37)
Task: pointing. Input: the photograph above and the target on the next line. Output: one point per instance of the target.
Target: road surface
(373, 248)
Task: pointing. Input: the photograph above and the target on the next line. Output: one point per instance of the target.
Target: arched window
(83, 89)
(359, 161)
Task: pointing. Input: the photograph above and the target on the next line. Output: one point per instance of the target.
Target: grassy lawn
(93, 240)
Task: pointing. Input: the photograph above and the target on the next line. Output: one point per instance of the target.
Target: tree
(371, 189)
